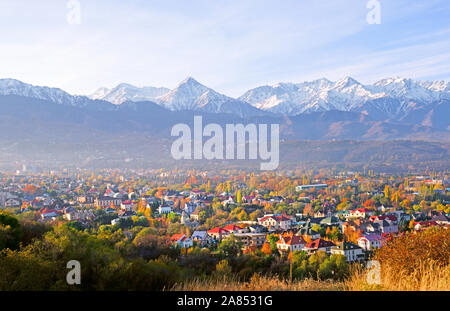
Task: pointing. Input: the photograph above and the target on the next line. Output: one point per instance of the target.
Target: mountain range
(345, 109)
(396, 99)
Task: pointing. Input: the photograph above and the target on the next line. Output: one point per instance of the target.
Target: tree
(10, 231)
(273, 239)
(243, 216)
(266, 248)
(230, 246)
(406, 204)
(386, 192)
(172, 217)
(238, 197)
(307, 238)
(256, 214)
(369, 204)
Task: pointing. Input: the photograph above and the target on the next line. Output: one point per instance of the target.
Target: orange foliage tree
(266, 249)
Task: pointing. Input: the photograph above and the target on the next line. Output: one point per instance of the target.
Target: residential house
(218, 233)
(181, 240)
(319, 245)
(12, 202)
(308, 231)
(290, 243)
(235, 229)
(85, 199)
(195, 214)
(257, 228)
(330, 221)
(49, 214)
(106, 201)
(387, 226)
(342, 214)
(359, 213)
(276, 222)
(351, 251)
(251, 238)
(228, 201)
(164, 209)
(370, 242)
(79, 215)
(201, 238)
(127, 205)
(421, 225)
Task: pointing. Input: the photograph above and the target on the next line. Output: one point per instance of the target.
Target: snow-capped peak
(346, 94)
(191, 95)
(127, 92)
(56, 95)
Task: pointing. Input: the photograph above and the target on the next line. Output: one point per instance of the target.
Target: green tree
(10, 231)
(230, 246)
(273, 239)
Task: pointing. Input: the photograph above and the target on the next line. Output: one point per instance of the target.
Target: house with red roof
(235, 229)
(217, 233)
(290, 243)
(181, 240)
(370, 242)
(276, 222)
(319, 245)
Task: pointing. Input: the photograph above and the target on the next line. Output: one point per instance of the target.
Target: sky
(228, 45)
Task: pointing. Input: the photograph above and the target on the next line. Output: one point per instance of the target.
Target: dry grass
(428, 276)
(258, 283)
(418, 261)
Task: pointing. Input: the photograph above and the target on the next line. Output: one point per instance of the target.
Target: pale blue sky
(228, 45)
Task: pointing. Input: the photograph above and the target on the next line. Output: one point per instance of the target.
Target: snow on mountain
(318, 95)
(127, 92)
(55, 95)
(192, 95)
(393, 96)
(438, 86)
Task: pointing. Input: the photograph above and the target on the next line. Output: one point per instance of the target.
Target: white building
(351, 251)
(164, 209)
(370, 241)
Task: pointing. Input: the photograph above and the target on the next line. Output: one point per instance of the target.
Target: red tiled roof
(292, 240)
(319, 243)
(361, 210)
(232, 228)
(176, 237)
(218, 230)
